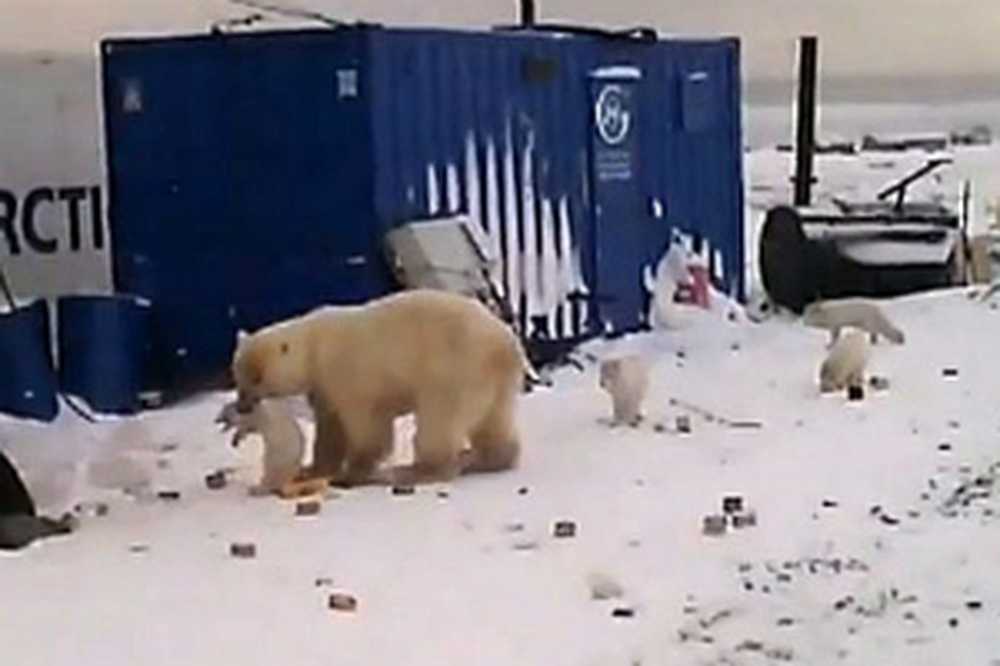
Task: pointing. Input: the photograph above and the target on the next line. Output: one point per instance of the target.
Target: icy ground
(471, 573)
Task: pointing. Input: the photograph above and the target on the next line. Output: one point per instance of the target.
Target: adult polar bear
(444, 357)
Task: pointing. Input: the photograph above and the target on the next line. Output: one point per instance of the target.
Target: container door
(616, 196)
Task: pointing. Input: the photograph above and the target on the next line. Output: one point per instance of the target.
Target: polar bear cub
(861, 313)
(845, 363)
(284, 443)
(626, 380)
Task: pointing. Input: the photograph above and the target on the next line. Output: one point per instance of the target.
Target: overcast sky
(907, 37)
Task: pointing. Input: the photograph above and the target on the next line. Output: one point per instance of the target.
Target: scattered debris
(340, 601)
(683, 424)
(892, 521)
(564, 529)
(944, 446)
(744, 520)
(443, 494)
(310, 508)
(745, 425)
(974, 605)
(138, 548)
(785, 621)
(713, 525)
(780, 654)
(243, 550)
(216, 480)
(525, 544)
(855, 393)
(830, 504)
(841, 604)
(324, 582)
(523, 490)
(953, 622)
(686, 635)
(950, 372)
(604, 587)
(715, 618)
(879, 383)
(732, 504)
(623, 612)
(403, 490)
(91, 509)
(169, 447)
(513, 527)
(169, 495)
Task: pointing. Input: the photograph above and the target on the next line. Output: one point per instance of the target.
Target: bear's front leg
(329, 444)
(370, 442)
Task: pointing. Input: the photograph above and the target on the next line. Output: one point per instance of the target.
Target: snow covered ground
(450, 579)
(876, 539)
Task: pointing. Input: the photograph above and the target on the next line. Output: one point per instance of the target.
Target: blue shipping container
(253, 176)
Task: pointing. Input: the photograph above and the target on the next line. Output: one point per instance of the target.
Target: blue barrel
(28, 388)
(103, 350)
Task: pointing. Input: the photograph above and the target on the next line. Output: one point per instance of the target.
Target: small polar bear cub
(284, 442)
(626, 380)
(845, 363)
(860, 313)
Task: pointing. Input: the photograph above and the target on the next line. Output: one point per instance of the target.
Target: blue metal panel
(29, 388)
(524, 98)
(244, 182)
(240, 183)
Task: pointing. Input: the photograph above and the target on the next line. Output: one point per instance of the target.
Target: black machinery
(880, 248)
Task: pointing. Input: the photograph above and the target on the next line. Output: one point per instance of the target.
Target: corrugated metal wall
(497, 125)
(252, 176)
(240, 183)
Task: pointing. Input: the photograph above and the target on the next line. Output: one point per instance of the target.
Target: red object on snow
(699, 275)
(695, 292)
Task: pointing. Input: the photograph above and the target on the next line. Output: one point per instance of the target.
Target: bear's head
(270, 363)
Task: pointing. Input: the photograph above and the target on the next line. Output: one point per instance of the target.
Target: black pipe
(805, 131)
(527, 13)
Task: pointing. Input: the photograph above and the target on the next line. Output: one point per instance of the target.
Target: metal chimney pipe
(527, 13)
(805, 131)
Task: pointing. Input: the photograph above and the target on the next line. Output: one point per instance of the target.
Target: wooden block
(304, 487)
(311, 508)
(342, 602)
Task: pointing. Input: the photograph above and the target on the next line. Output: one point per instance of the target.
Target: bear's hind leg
(495, 443)
(437, 447)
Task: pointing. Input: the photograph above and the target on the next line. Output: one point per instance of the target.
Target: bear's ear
(241, 335)
(284, 347)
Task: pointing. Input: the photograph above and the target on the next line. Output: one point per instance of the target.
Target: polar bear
(444, 357)
(845, 363)
(626, 380)
(858, 312)
(284, 443)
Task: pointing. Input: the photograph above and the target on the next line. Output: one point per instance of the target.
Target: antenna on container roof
(290, 12)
